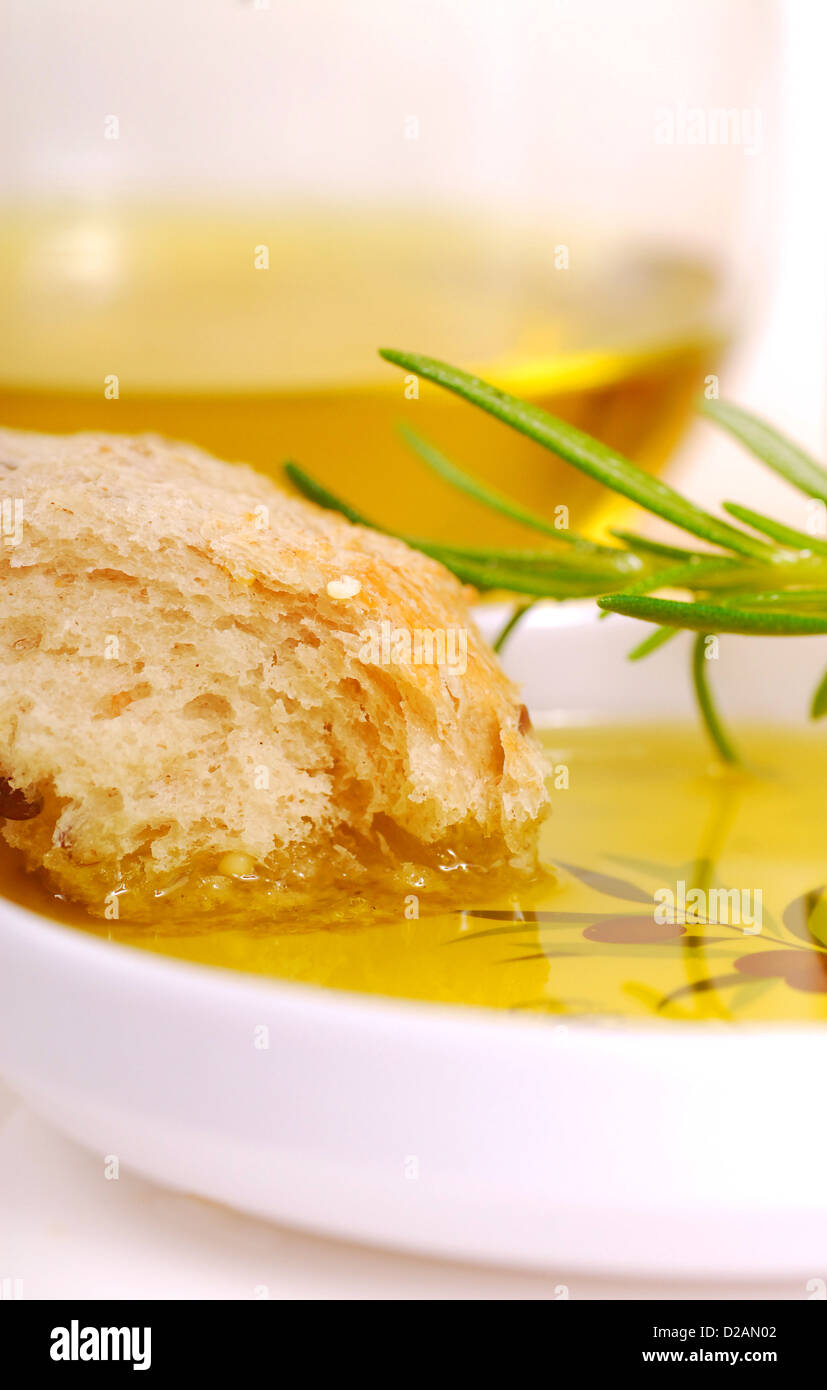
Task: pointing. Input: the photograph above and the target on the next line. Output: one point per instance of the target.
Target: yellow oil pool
(677, 889)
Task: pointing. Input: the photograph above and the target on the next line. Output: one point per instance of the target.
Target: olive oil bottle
(254, 333)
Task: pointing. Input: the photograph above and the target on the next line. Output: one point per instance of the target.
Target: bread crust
(195, 663)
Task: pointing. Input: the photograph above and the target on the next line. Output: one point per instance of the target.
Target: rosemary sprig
(539, 573)
(490, 497)
(770, 584)
(576, 447)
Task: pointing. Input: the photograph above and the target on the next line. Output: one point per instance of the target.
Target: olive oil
(677, 889)
(254, 334)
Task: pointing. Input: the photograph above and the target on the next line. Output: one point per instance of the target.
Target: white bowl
(672, 1147)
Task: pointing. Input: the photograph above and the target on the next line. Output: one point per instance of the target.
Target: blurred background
(214, 212)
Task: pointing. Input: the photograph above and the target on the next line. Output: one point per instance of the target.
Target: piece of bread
(206, 680)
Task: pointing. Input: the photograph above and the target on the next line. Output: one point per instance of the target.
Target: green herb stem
(656, 639)
(779, 453)
(706, 617)
(591, 457)
(706, 704)
(508, 629)
(785, 535)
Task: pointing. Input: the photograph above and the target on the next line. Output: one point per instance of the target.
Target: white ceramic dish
(674, 1148)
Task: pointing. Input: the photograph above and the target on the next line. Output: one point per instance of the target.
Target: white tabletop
(67, 1232)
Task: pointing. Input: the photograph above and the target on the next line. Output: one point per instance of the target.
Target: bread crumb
(346, 587)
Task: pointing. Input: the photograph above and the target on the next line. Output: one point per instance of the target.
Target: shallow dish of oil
(676, 889)
(607, 1072)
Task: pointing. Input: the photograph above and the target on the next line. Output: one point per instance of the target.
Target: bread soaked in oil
(638, 812)
(193, 666)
